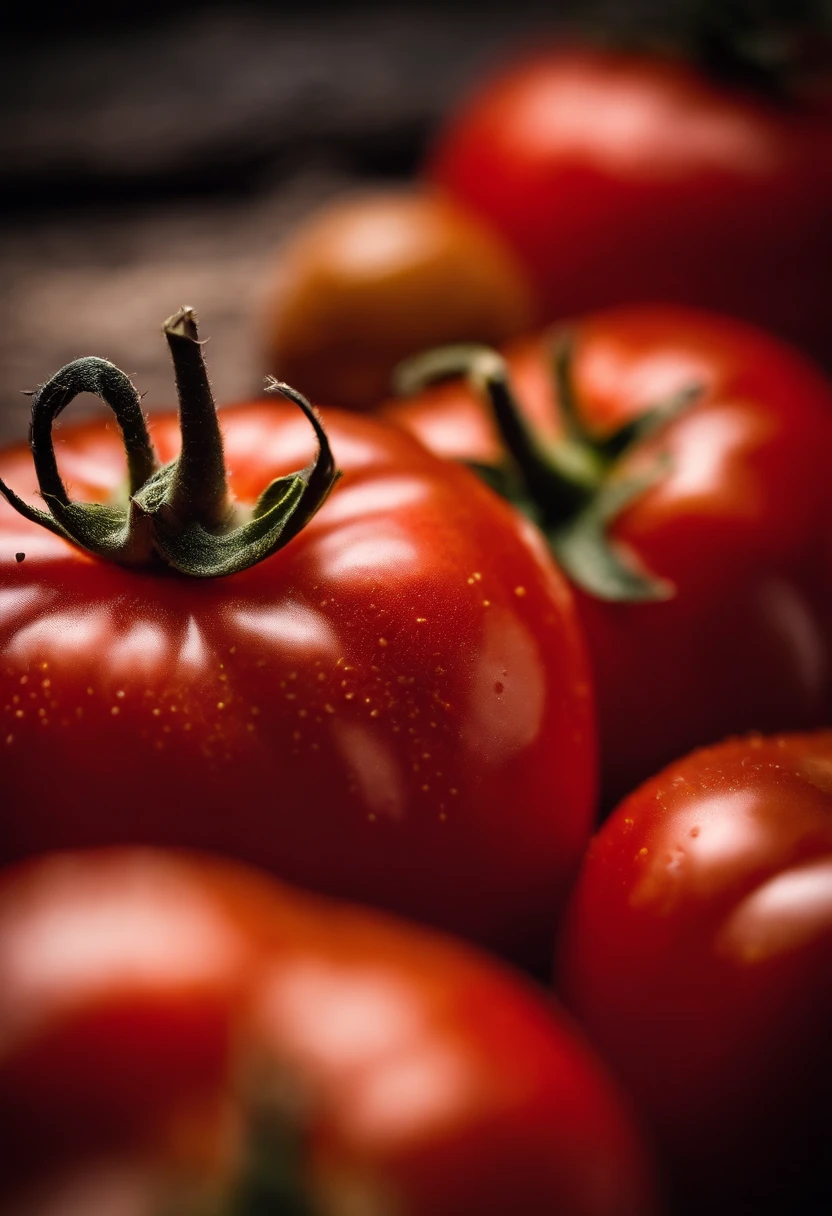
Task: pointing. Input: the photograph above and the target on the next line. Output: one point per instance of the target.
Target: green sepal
(635, 431)
(569, 487)
(115, 533)
(593, 560)
(269, 1176)
(33, 514)
(192, 550)
(503, 480)
(181, 515)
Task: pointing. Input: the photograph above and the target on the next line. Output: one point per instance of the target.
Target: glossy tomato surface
(734, 523)
(698, 955)
(621, 176)
(152, 1003)
(374, 277)
(394, 707)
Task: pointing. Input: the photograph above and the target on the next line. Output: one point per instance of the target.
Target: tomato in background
(732, 519)
(395, 706)
(372, 278)
(628, 177)
(172, 1026)
(697, 954)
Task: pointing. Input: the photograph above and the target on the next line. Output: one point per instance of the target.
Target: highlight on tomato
(697, 954)
(179, 1034)
(373, 685)
(373, 277)
(677, 462)
(626, 174)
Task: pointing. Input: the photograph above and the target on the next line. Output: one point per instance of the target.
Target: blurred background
(156, 155)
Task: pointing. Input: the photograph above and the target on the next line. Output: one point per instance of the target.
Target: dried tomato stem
(199, 489)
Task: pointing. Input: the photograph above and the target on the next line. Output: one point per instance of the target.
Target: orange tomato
(373, 278)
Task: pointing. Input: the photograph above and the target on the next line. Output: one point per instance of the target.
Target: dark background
(158, 157)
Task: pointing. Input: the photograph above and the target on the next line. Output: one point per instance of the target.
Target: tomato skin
(735, 525)
(138, 987)
(372, 278)
(363, 713)
(697, 953)
(628, 177)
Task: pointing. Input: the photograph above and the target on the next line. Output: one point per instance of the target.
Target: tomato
(621, 176)
(163, 1016)
(395, 706)
(697, 953)
(729, 520)
(372, 278)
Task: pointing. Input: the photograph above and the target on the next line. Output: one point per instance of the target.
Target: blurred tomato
(631, 177)
(173, 1029)
(370, 279)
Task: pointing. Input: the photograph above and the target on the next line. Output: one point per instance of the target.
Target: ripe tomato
(168, 1020)
(629, 177)
(373, 278)
(697, 953)
(731, 522)
(395, 706)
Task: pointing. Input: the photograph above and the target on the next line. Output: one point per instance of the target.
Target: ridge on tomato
(697, 954)
(180, 1034)
(393, 706)
(679, 464)
(628, 176)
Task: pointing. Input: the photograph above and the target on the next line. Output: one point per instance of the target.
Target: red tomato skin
(735, 525)
(139, 986)
(697, 954)
(395, 707)
(621, 177)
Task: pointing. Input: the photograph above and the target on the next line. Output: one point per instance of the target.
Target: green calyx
(179, 515)
(571, 487)
(268, 1171)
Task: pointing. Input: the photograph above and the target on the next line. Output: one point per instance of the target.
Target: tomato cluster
(510, 657)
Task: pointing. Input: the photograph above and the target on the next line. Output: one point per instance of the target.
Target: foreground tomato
(373, 278)
(698, 954)
(724, 505)
(621, 176)
(166, 1020)
(394, 706)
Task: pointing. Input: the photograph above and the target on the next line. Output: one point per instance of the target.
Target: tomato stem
(199, 489)
(561, 474)
(180, 515)
(569, 486)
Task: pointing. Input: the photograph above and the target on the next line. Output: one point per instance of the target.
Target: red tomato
(733, 524)
(620, 176)
(393, 707)
(168, 1020)
(698, 955)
